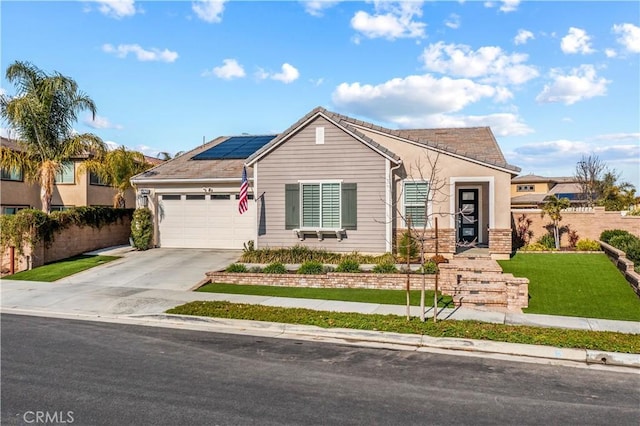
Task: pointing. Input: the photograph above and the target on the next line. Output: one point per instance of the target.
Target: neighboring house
(333, 182)
(531, 191)
(72, 189)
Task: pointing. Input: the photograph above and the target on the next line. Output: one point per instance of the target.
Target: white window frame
(427, 223)
(320, 183)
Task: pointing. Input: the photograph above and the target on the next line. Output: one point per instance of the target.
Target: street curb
(366, 338)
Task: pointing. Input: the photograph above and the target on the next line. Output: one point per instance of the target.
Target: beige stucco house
(530, 191)
(333, 182)
(72, 188)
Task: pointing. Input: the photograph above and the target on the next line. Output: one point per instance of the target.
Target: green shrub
(311, 267)
(587, 245)
(633, 253)
(634, 212)
(429, 268)
(275, 268)
(622, 242)
(349, 266)
(548, 241)
(535, 247)
(142, 228)
(237, 268)
(408, 246)
(255, 270)
(385, 268)
(326, 269)
(606, 236)
(301, 254)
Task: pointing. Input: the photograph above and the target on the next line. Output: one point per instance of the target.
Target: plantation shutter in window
(292, 206)
(330, 205)
(311, 205)
(349, 205)
(415, 195)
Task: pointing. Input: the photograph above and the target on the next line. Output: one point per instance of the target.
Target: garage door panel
(205, 223)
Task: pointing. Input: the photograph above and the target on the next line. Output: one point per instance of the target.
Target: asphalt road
(90, 373)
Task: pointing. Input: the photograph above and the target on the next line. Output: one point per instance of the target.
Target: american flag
(243, 204)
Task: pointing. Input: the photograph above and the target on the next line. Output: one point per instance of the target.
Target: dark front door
(468, 215)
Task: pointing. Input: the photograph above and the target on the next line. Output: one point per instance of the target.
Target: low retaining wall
(69, 242)
(625, 266)
(470, 283)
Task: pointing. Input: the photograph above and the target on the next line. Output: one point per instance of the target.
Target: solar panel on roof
(235, 148)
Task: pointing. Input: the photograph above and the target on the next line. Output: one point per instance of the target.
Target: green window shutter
(349, 205)
(292, 206)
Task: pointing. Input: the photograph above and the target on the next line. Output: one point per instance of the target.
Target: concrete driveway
(160, 268)
(141, 282)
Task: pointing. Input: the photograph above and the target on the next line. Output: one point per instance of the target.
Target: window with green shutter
(326, 205)
(415, 197)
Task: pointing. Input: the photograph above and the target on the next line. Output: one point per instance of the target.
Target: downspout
(390, 204)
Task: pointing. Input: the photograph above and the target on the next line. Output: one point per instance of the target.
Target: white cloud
(99, 122)
(391, 20)
(111, 145)
(209, 10)
(611, 53)
(2, 91)
(502, 124)
(117, 8)
(122, 50)
(576, 41)
(288, 74)
(453, 21)
(581, 83)
(316, 82)
(523, 36)
(317, 7)
(490, 63)
(506, 5)
(415, 95)
(229, 69)
(629, 36)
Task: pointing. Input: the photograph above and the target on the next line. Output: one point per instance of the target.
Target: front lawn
(61, 269)
(583, 339)
(575, 284)
(389, 297)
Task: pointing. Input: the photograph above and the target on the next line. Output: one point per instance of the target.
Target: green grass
(575, 284)
(63, 268)
(390, 297)
(596, 340)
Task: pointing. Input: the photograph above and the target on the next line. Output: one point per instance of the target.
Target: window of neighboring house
(66, 173)
(415, 196)
(13, 209)
(94, 179)
(12, 174)
(321, 205)
(61, 208)
(526, 188)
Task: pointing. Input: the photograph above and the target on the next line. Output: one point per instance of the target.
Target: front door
(468, 215)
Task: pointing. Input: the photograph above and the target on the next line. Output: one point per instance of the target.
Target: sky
(555, 81)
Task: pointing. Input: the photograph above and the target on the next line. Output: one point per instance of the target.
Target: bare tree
(589, 175)
(422, 219)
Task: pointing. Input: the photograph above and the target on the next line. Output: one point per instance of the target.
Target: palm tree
(553, 207)
(42, 115)
(116, 168)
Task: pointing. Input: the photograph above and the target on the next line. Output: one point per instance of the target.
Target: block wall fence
(588, 224)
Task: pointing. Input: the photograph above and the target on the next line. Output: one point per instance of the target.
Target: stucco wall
(589, 224)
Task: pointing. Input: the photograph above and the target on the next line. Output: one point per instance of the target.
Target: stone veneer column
(500, 242)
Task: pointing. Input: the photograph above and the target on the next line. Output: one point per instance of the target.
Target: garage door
(204, 221)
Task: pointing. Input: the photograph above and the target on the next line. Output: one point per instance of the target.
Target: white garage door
(204, 221)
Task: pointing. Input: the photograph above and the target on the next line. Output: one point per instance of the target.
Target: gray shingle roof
(183, 167)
